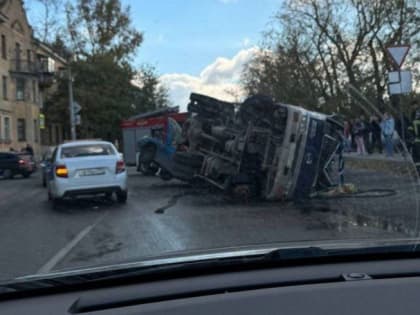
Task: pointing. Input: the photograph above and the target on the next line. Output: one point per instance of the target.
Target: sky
(198, 45)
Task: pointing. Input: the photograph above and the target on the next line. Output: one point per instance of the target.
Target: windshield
(207, 126)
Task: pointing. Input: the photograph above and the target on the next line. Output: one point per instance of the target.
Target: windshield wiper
(191, 265)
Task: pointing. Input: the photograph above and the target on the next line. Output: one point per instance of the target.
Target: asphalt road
(166, 217)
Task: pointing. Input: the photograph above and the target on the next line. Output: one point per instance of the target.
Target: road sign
(77, 120)
(400, 82)
(398, 53)
(41, 121)
(76, 108)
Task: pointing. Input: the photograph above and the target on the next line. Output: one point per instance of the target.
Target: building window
(36, 130)
(4, 87)
(6, 125)
(17, 57)
(3, 47)
(21, 129)
(20, 89)
(34, 91)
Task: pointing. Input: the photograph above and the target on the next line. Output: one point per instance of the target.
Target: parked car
(29, 159)
(12, 164)
(86, 168)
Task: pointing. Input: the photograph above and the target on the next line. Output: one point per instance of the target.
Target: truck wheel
(165, 175)
(188, 158)
(147, 154)
(148, 168)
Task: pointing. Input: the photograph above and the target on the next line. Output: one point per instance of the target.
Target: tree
(102, 27)
(47, 23)
(149, 94)
(103, 42)
(330, 46)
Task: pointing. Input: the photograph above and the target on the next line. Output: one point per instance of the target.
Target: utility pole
(71, 107)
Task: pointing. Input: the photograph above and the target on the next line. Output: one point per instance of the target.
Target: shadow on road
(77, 205)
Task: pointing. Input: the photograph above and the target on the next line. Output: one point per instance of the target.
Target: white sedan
(87, 168)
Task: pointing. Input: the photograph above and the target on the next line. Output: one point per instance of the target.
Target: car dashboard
(382, 287)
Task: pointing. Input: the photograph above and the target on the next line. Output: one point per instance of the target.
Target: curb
(395, 167)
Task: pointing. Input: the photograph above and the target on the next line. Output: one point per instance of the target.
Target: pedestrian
(347, 136)
(375, 130)
(415, 140)
(353, 136)
(359, 129)
(388, 129)
(29, 149)
(415, 110)
(366, 131)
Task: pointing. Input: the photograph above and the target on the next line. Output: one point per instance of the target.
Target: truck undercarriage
(258, 148)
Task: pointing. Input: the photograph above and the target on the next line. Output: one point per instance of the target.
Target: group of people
(367, 136)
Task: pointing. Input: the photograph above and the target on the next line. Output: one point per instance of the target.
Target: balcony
(18, 66)
(42, 69)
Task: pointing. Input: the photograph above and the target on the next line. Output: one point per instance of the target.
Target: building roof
(47, 49)
(159, 112)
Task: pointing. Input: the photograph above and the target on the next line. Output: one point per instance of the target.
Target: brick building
(27, 71)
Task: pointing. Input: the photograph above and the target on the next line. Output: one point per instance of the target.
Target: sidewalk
(396, 165)
(397, 157)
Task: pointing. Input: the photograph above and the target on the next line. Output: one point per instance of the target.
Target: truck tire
(147, 154)
(165, 175)
(192, 159)
(148, 169)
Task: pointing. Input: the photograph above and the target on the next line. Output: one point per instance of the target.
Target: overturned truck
(257, 148)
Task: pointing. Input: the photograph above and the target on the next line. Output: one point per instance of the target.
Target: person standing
(366, 132)
(375, 129)
(29, 149)
(388, 128)
(415, 141)
(359, 133)
(353, 145)
(347, 136)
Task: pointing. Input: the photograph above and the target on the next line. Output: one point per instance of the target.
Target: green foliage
(321, 51)
(102, 27)
(105, 84)
(148, 94)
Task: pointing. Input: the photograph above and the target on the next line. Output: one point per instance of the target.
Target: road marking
(69, 246)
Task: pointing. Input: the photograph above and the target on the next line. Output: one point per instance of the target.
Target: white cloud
(246, 42)
(220, 79)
